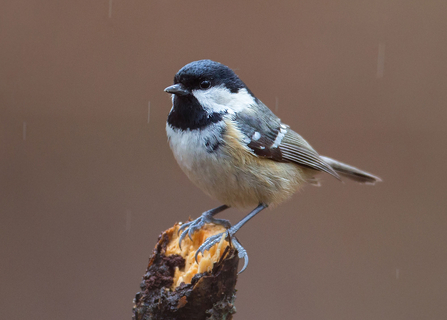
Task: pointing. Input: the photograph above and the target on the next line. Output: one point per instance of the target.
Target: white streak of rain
(24, 130)
(128, 220)
(381, 60)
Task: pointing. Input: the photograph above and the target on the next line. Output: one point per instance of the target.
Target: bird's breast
(194, 148)
(224, 168)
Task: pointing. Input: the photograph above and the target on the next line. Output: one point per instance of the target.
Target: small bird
(236, 150)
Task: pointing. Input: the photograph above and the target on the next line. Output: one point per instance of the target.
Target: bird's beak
(177, 89)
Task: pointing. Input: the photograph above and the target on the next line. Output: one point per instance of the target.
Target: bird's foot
(211, 241)
(190, 227)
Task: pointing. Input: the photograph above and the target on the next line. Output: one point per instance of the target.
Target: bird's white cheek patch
(220, 99)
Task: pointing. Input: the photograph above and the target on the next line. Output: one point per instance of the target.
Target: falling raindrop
(110, 8)
(381, 60)
(128, 220)
(24, 130)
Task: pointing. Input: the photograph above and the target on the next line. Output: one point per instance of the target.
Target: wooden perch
(175, 287)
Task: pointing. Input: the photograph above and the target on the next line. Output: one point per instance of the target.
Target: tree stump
(175, 287)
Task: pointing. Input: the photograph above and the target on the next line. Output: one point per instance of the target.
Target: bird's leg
(206, 217)
(242, 253)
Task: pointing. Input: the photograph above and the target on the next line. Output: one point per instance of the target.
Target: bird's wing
(269, 138)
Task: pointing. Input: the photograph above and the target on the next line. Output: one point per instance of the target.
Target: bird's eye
(205, 84)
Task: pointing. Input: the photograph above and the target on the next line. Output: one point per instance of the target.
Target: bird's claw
(242, 253)
(186, 232)
(192, 226)
(183, 226)
(211, 241)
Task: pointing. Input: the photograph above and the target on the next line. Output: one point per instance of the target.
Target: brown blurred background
(88, 180)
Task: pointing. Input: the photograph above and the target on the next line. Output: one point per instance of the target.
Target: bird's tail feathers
(351, 172)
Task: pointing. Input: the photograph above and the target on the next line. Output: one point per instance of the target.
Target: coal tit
(236, 150)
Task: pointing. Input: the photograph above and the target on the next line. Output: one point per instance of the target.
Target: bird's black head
(203, 92)
(202, 75)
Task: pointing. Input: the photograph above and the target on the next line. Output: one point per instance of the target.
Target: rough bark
(210, 295)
